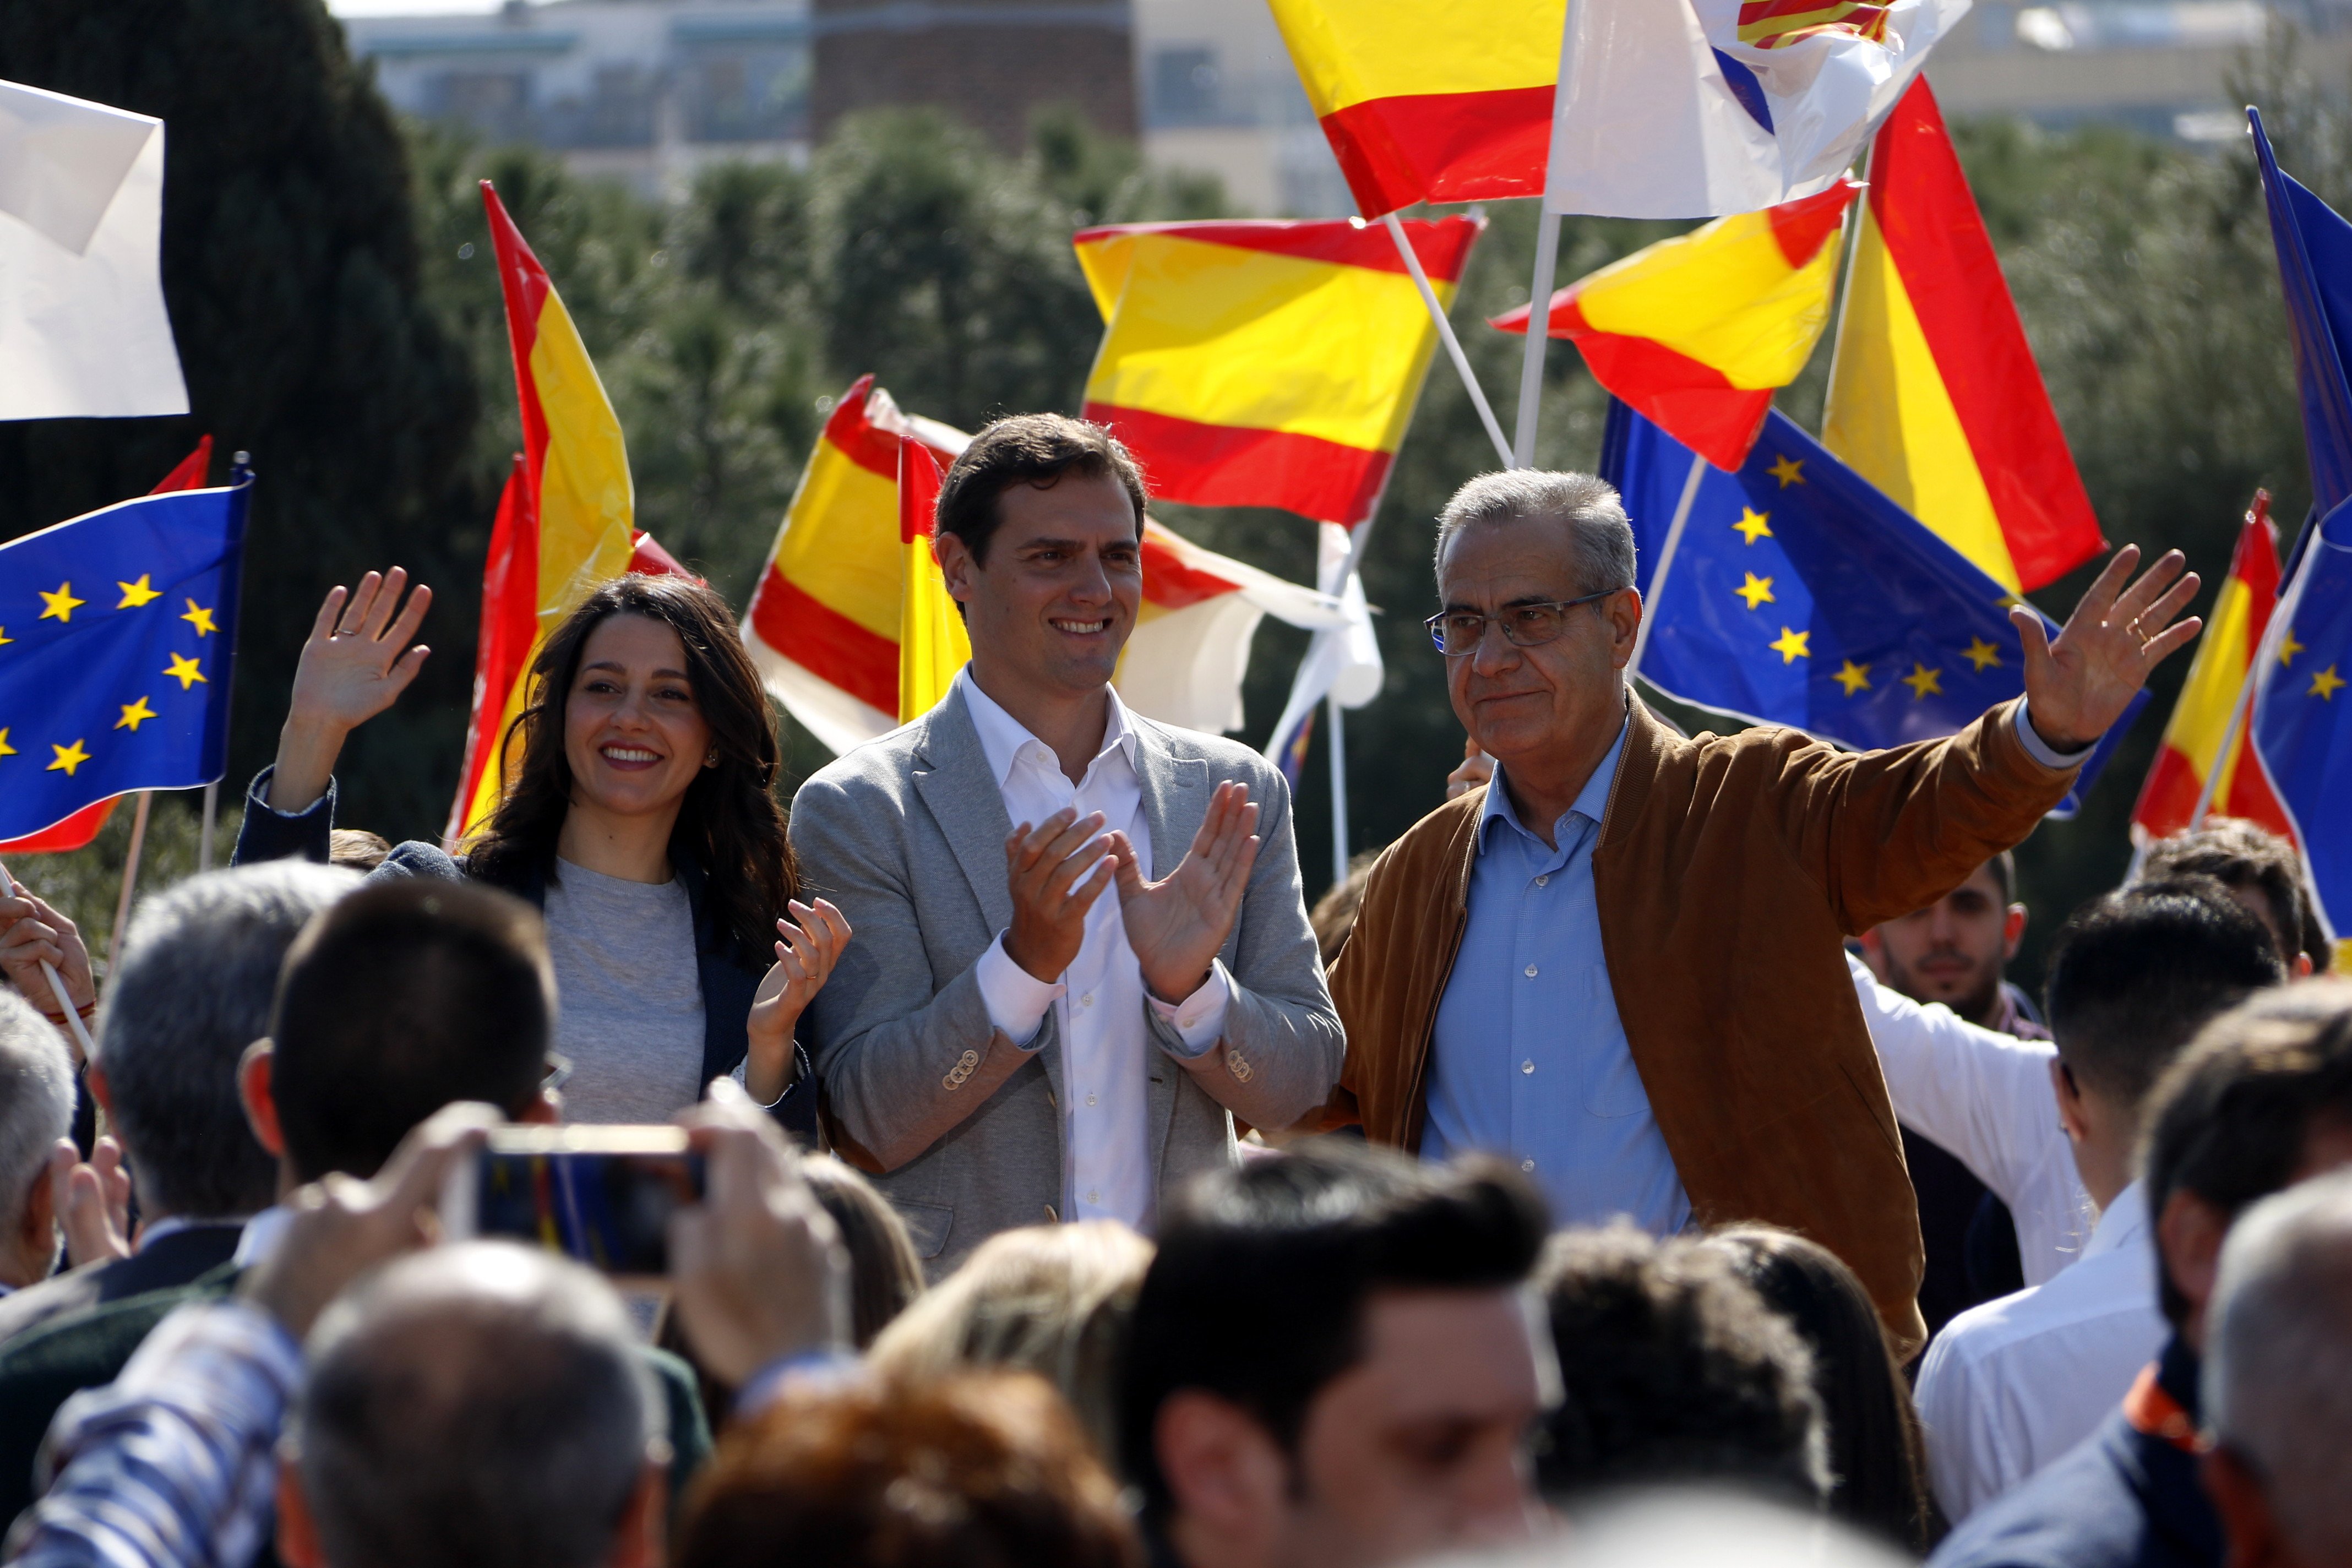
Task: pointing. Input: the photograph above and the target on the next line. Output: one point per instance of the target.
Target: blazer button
(1238, 1065)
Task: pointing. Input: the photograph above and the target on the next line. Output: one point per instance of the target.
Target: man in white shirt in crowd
(36, 1102)
(1010, 1040)
(2011, 1385)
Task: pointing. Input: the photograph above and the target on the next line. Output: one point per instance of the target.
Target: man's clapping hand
(1055, 872)
(1177, 925)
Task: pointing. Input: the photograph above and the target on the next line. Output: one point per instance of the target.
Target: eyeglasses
(1457, 632)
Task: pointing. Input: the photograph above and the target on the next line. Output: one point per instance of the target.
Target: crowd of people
(1644, 1158)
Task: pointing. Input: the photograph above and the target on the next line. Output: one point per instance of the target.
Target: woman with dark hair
(639, 815)
(1875, 1451)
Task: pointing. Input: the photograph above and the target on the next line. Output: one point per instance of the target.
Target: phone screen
(608, 1209)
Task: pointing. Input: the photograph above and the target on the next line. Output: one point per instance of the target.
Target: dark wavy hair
(730, 826)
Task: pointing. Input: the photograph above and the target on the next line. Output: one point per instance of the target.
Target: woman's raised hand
(804, 959)
(355, 665)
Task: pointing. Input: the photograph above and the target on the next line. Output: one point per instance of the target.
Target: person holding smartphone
(639, 817)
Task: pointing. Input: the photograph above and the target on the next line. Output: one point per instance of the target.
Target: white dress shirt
(1986, 1097)
(2011, 1385)
(1098, 1000)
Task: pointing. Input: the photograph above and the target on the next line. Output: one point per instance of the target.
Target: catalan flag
(931, 642)
(1425, 103)
(1935, 397)
(1695, 332)
(2191, 748)
(1250, 363)
(118, 650)
(564, 522)
(823, 625)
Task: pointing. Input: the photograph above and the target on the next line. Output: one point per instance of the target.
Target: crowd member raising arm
(639, 819)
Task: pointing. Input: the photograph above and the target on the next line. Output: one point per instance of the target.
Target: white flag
(83, 331)
(1675, 108)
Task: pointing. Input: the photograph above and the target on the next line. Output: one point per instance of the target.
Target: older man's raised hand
(2078, 685)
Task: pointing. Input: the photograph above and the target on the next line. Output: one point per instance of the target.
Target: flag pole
(212, 815)
(129, 874)
(1531, 363)
(1339, 750)
(57, 990)
(1445, 325)
(1665, 562)
(1845, 277)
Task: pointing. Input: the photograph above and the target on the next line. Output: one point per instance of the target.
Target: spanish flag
(563, 522)
(931, 642)
(825, 624)
(1696, 332)
(1420, 103)
(1935, 397)
(1250, 363)
(2192, 741)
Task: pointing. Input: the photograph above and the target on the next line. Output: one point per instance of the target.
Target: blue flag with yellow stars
(1800, 594)
(2301, 722)
(118, 637)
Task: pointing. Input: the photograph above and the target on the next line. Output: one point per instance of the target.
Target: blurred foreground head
(404, 998)
(972, 1470)
(36, 1104)
(481, 1405)
(1333, 1361)
(1684, 1527)
(2278, 1380)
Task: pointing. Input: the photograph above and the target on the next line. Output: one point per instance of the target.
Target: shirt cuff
(1016, 1000)
(1198, 1019)
(2042, 752)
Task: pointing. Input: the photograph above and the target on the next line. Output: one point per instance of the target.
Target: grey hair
(480, 1406)
(192, 991)
(2278, 1362)
(37, 1100)
(1589, 506)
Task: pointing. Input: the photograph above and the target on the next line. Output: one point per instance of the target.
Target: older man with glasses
(1620, 963)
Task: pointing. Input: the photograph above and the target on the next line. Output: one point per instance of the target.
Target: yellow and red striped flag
(933, 645)
(1250, 363)
(1935, 398)
(1422, 105)
(823, 626)
(2191, 748)
(1697, 331)
(564, 520)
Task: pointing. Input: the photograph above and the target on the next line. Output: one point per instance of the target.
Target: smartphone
(600, 1195)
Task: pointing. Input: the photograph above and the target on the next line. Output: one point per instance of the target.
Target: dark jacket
(2127, 1496)
(170, 1259)
(729, 980)
(41, 1371)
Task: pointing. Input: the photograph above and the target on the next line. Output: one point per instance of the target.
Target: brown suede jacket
(1727, 872)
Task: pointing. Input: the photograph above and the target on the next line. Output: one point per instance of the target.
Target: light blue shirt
(1529, 1059)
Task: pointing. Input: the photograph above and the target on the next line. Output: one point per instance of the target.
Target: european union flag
(2303, 711)
(1800, 594)
(2315, 256)
(117, 639)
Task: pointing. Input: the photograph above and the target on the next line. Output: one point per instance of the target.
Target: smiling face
(1053, 604)
(1558, 699)
(632, 732)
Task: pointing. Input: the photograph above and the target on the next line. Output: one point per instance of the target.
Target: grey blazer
(959, 1126)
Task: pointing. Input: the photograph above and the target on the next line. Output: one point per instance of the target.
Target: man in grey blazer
(1002, 1044)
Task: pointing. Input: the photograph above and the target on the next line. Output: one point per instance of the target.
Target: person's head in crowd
(2263, 1099)
(1878, 1464)
(1700, 1527)
(2262, 871)
(646, 708)
(1334, 914)
(2278, 1380)
(1333, 1362)
(1537, 616)
(356, 849)
(477, 1405)
(884, 1275)
(976, 1469)
(1672, 1371)
(1953, 950)
(190, 992)
(2135, 974)
(36, 1104)
(1054, 1299)
(1041, 544)
(404, 996)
